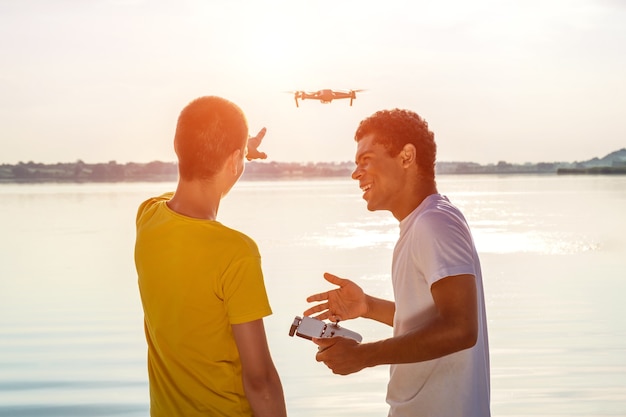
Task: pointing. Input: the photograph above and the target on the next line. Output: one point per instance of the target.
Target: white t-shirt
(435, 242)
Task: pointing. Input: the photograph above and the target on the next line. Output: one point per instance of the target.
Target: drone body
(324, 96)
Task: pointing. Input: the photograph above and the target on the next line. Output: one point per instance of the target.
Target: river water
(553, 250)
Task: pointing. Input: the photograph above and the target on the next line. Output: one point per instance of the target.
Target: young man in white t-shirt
(439, 353)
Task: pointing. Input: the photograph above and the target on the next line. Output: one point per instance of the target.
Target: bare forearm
(452, 328)
(380, 310)
(434, 341)
(261, 382)
(266, 397)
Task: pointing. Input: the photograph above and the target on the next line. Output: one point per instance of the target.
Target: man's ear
(408, 154)
(233, 162)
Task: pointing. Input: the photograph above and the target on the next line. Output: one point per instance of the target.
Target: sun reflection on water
(495, 240)
(353, 235)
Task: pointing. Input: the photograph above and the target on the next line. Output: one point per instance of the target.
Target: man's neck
(196, 199)
(414, 196)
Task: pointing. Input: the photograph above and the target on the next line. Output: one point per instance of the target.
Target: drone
(324, 96)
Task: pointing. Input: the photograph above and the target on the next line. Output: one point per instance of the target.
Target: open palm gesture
(343, 303)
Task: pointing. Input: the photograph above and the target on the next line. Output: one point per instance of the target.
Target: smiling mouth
(365, 188)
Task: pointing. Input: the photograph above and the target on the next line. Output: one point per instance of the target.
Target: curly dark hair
(208, 130)
(395, 128)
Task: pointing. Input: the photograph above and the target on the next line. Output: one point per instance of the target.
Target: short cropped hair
(209, 129)
(395, 128)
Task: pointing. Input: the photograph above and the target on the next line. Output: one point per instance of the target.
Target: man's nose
(356, 173)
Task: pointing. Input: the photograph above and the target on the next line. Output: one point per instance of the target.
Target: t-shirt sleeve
(245, 295)
(446, 248)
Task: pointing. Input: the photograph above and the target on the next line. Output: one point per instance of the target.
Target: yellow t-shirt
(196, 279)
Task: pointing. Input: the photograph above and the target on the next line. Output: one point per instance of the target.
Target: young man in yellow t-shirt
(201, 282)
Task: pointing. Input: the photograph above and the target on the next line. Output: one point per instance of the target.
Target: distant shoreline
(593, 171)
(157, 171)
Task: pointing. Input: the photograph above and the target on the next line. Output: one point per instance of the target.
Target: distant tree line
(613, 170)
(79, 171)
(112, 171)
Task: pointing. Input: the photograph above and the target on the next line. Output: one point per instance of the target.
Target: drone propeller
(296, 95)
(353, 94)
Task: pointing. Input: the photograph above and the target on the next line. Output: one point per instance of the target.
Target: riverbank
(156, 171)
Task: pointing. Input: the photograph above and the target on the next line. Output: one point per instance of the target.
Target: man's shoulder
(239, 238)
(440, 207)
(156, 199)
(436, 216)
(151, 203)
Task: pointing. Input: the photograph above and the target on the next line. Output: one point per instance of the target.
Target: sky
(497, 80)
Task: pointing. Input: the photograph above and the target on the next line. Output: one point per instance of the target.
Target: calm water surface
(553, 251)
